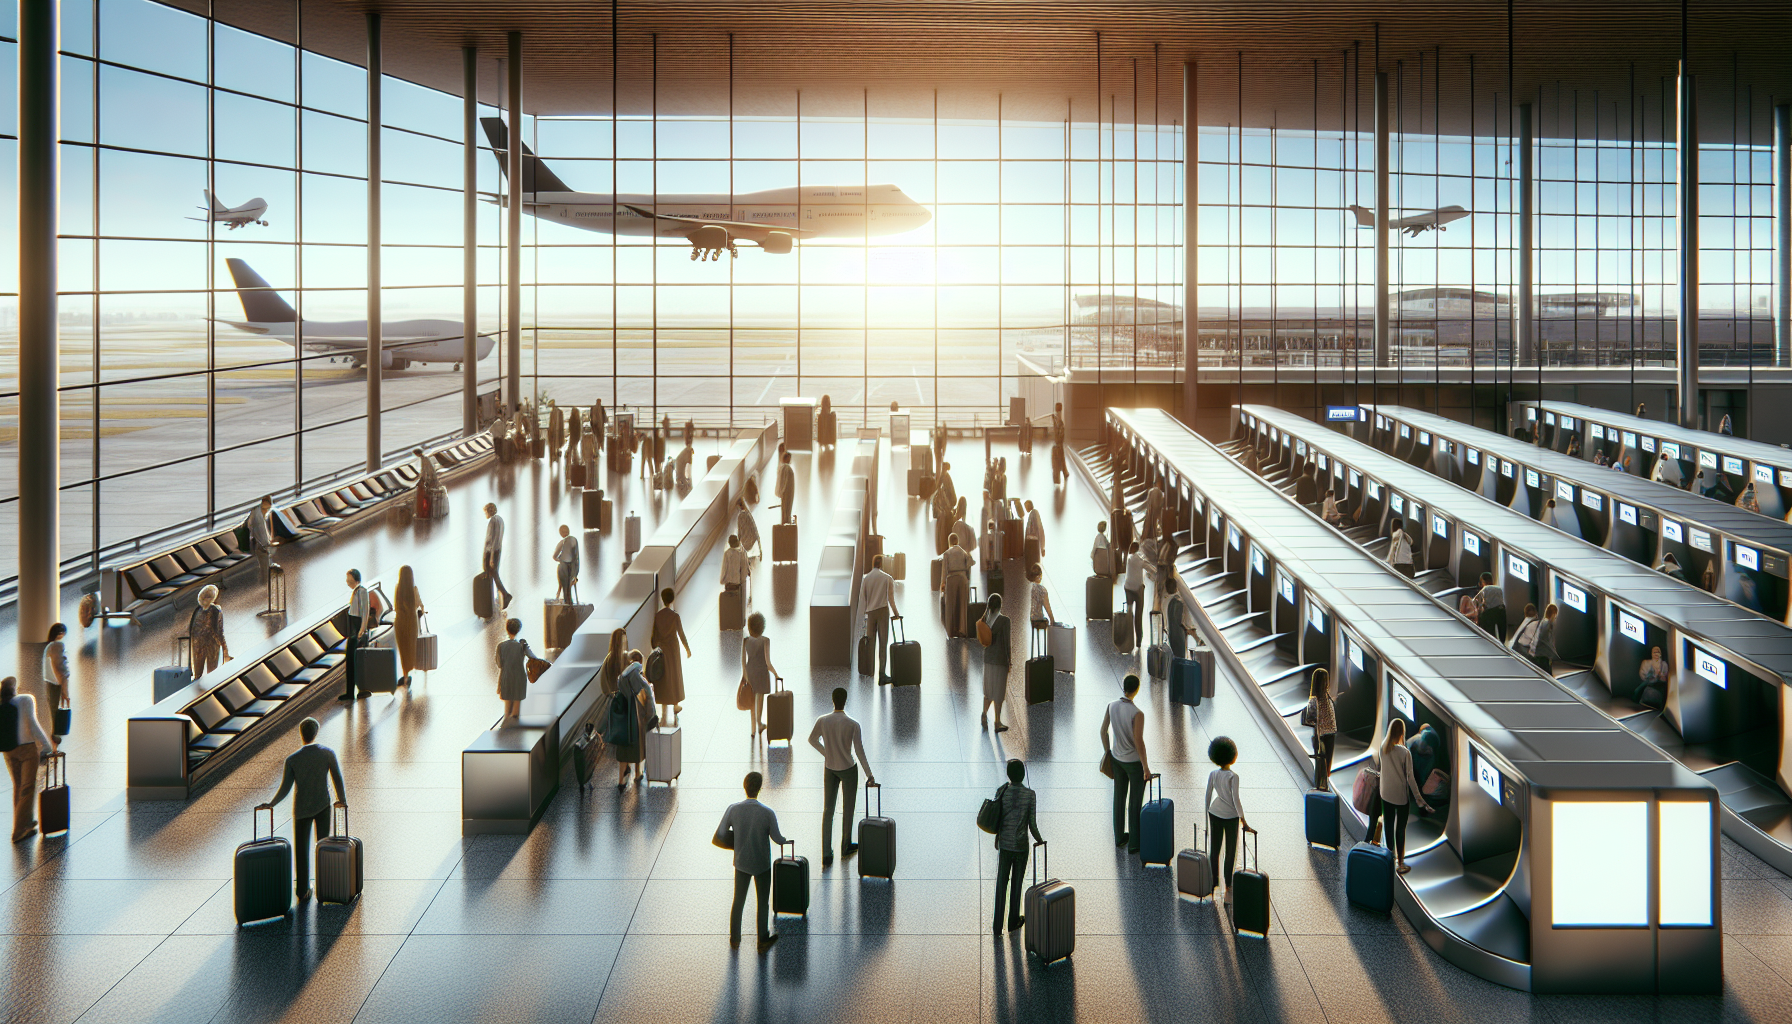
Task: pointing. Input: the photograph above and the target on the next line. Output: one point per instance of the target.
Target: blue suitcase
(1185, 682)
(1322, 818)
(1157, 827)
(1369, 877)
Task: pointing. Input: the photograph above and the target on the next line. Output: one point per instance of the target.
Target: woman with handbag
(1015, 805)
(1322, 715)
(56, 680)
(756, 672)
(513, 669)
(407, 619)
(206, 628)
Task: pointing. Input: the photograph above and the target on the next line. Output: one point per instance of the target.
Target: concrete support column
(469, 267)
(1686, 341)
(1191, 335)
(513, 227)
(40, 453)
(375, 346)
(1527, 240)
(1782, 234)
(1383, 321)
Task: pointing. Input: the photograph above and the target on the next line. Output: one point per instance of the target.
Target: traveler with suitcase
(1101, 554)
(1399, 791)
(1225, 809)
(1039, 613)
(668, 627)
(785, 489)
(737, 569)
(756, 669)
(566, 565)
(747, 528)
(493, 551)
(23, 739)
(513, 669)
(1322, 709)
(749, 828)
(57, 679)
(310, 772)
(955, 579)
(1016, 805)
(839, 739)
(1035, 536)
(997, 659)
(361, 621)
(1125, 757)
(877, 597)
(1135, 591)
(629, 718)
(407, 621)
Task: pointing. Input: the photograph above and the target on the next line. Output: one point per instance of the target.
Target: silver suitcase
(1061, 644)
(1051, 915)
(427, 651)
(631, 534)
(1194, 871)
(665, 754)
(338, 862)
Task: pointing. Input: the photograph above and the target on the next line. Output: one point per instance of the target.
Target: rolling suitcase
(262, 874)
(482, 595)
(905, 659)
(338, 862)
(1041, 675)
(914, 482)
(584, 761)
(1157, 828)
(1203, 656)
(1030, 551)
(631, 534)
(1369, 877)
(591, 508)
(1098, 598)
(1157, 656)
(784, 541)
(576, 476)
(1013, 539)
(1250, 894)
(376, 669)
(52, 800)
(734, 608)
(665, 754)
(1051, 915)
(1322, 818)
(780, 713)
(1194, 871)
(1185, 682)
(938, 572)
(428, 648)
(877, 838)
(790, 883)
(1061, 642)
(867, 655)
(170, 678)
(1123, 638)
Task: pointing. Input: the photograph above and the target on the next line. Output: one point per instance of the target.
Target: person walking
(1225, 809)
(1060, 468)
(56, 677)
(877, 597)
(1306, 489)
(997, 660)
(310, 772)
(1400, 550)
(407, 620)
(205, 630)
(786, 490)
(749, 828)
(1135, 591)
(1019, 817)
(839, 740)
(961, 526)
(1399, 790)
(736, 568)
(631, 750)
(566, 565)
(746, 528)
(1034, 534)
(429, 483)
(955, 580)
(360, 622)
(1491, 601)
(26, 746)
(493, 552)
(668, 627)
(827, 429)
(513, 669)
(1123, 747)
(1325, 726)
(756, 668)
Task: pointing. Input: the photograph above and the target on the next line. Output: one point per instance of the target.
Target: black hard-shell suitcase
(790, 883)
(1041, 675)
(263, 874)
(1051, 915)
(52, 801)
(867, 655)
(905, 659)
(877, 838)
(1250, 895)
(338, 862)
(376, 669)
(482, 595)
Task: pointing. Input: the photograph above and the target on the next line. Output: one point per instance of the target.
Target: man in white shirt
(736, 569)
(360, 611)
(748, 828)
(1035, 533)
(566, 564)
(26, 746)
(261, 542)
(1135, 591)
(877, 597)
(493, 552)
(1123, 740)
(839, 740)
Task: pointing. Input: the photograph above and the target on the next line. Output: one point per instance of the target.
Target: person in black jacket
(310, 771)
(1018, 805)
(1306, 489)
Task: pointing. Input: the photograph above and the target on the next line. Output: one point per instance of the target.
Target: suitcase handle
(790, 843)
(869, 786)
(255, 822)
(56, 767)
(343, 805)
(1040, 846)
(1157, 777)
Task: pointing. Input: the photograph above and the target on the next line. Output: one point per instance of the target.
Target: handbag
(984, 636)
(743, 695)
(1107, 765)
(1309, 715)
(1365, 790)
(724, 838)
(535, 667)
(989, 816)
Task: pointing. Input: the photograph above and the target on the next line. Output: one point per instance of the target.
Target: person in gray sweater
(310, 771)
(748, 828)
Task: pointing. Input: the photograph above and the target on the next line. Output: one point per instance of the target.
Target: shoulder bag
(989, 816)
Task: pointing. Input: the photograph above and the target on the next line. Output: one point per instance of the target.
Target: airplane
(233, 217)
(403, 342)
(1414, 224)
(773, 219)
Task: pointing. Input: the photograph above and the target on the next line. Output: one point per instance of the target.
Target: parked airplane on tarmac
(773, 219)
(402, 342)
(1414, 224)
(233, 217)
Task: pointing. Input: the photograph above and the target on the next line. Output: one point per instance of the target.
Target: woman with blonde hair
(1399, 789)
(206, 630)
(407, 620)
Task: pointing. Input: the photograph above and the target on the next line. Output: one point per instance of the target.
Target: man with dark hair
(877, 598)
(310, 771)
(839, 739)
(786, 489)
(492, 553)
(360, 616)
(748, 828)
(1123, 740)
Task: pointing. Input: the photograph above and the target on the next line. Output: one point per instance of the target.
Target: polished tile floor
(615, 907)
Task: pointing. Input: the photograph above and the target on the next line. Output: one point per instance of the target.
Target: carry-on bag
(665, 754)
(1369, 877)
(780, 713)
(784, 541)
(790, 883)
(1185, 682)
(482, 595)
(1098, 598)
(52, 800)
(338, 862)
(1123, 638)
(867, 656)
(631, 534)
(905, 659)
(1322, 818)
(262, 874)
(1061, 643)
(1157, 656)
(1041, 674)
(1051, 915)
(733, 611)
(376, 669)
(1194, 870)
(428, 648)
(877, 838)
(1157, 827)
(170, 678)
(937, 572)
(560, 620)
(584, 756)
(1250, 893)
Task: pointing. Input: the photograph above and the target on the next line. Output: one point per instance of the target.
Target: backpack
(374, 608)
(656, 665)
(619, 729)
(9, 726)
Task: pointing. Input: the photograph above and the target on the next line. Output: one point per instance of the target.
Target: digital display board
(1592, 500)
(1671, 530)
(1342, 414)
(1471, 543)
(1403, 701)
(1732, 465)
(1746, 557)
(1700, 539)
(1486, 775)
(1518, 567)
(1710, 667)
(1631, 626)
(1627, 513)
(1474, 457)
(1574, 597)
(1439, 527)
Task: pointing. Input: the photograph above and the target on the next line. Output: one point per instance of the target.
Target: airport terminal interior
(433, 434)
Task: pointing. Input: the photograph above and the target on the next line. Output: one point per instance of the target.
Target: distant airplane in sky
(773, 219)
(233, 217)
(402, 342)
(1414, 224)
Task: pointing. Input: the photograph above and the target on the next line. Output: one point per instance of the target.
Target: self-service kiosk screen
(1629, 439)
(1398, 503)
(1506, 468)
(1748, 558)
(1708, 460)
(1732, 465)
(1315, 616)
(1685, 857)
(1233, 537)
(1671, 530)
(1764, 474)
(1574, 597)
(1474, 457)
(1531, 478)
(1564, 491)
(1471, 543)
(1403, 701)
(1258, 562)
(1701, 539)
(1632, 627)
(1285, 586)
(1591, 500)
(1486, 775)
(1710, 667)
(1648, 444)
(1439, 527)
(1597, 431)
(1516, 566)
(1590, 886)
(1627, 513)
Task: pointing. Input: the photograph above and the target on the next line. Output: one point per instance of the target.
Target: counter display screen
(1732, 465)
(1402, 701)
(1597, 431)
(1631, 626)
(1532, 479)
(1592, 500)
(1629, 439)
(1285, 586)
(1518, 567)
(1354, 653)
(1506, 468)
(1424, 438)
(1233, 537)
(1300, 447)
(1564, 491)
(1627, 513)
(1397, 502)
(1710, 667)
(1474, 457)
(1471, 543)
(1671, 530)
(1486, 775)
(1701, 539)
(1316, 616)
(1748, 558)
(1763, 474)
(1708, 460)
(1342, 414)
(1670, 449)
(1574, 597)
(1439, 527)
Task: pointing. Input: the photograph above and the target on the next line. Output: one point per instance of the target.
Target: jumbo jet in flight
(1414, 224)
(774, 219)
(402, 342)
(233, 217)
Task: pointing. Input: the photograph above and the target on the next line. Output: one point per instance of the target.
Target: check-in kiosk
(1538, 794)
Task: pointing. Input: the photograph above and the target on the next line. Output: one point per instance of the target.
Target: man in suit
(494, 551)
(748, 828)
(786, 489)
(260, 540)
(360, 614)
(839, 739)
(310, 771)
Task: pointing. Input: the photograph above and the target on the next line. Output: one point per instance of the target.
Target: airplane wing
(751, 232)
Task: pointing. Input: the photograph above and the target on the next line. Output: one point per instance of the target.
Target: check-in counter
(844, 560)
(1568, 853)
(512, 770)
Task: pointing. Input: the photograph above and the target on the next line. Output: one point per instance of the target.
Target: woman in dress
(996, 662)
(667, 627)
(632, 686)
(206, 628)
(407, 619)
(756, 668)
(513, 669)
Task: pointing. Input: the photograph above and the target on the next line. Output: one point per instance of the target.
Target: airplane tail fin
(536, 175)
(216, 207)
(261, 304)
(1364, 218)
